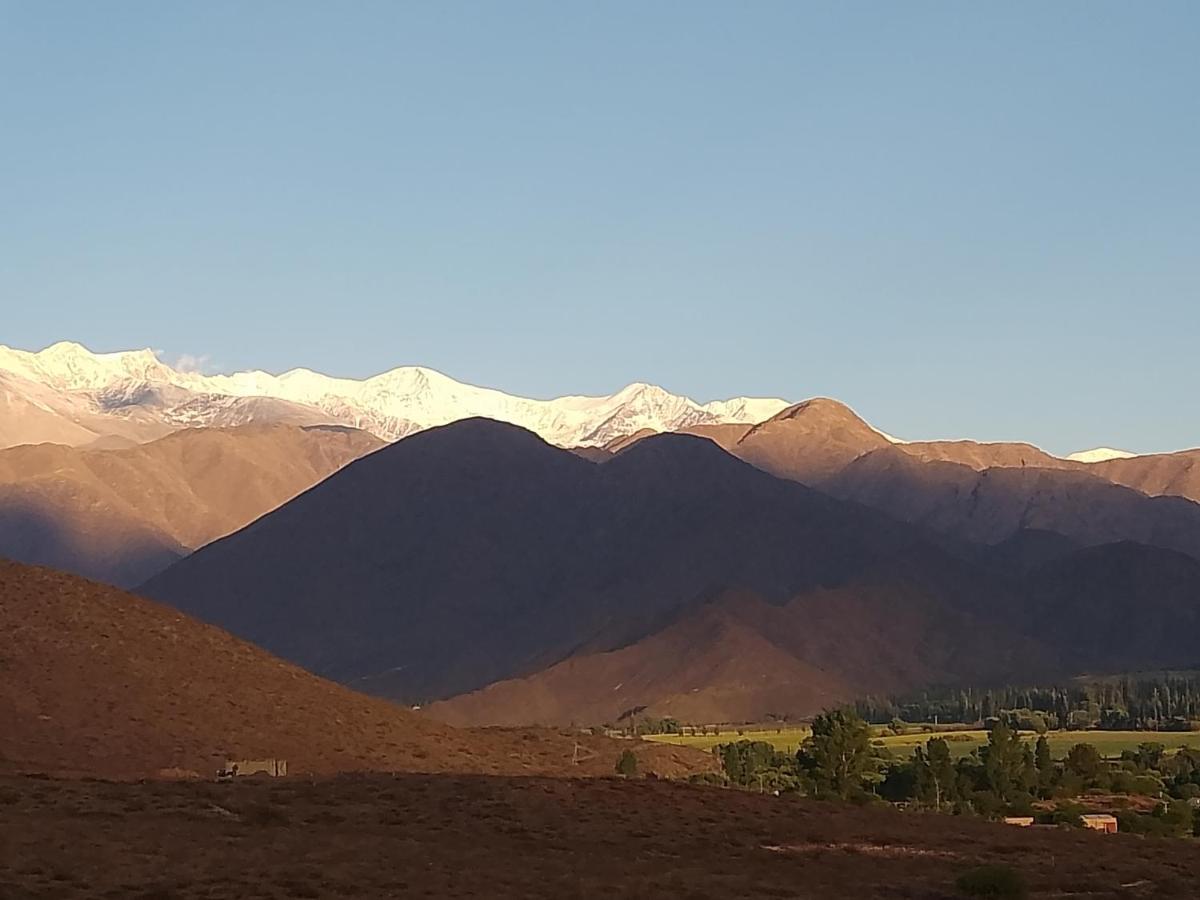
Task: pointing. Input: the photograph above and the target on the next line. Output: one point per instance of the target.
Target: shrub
(993, 881)
(627, 765)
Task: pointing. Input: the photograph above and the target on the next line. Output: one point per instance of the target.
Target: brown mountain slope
(990, 506)
(983, 455)
(809, 442)
(32, 413)
(1160, 474)
(121, 515)
(99, 682)
(741, 659)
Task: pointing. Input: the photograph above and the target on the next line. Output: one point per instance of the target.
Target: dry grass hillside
(95, 681)
(121, 515)
(487, 837)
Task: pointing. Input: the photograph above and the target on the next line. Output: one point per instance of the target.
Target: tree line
(1004, 777)
(1158, 702)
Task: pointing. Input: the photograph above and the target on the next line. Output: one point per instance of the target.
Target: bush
(627, 765)
(993, 881)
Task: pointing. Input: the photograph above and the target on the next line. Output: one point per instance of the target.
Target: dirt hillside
(486, 837)
(95, 681)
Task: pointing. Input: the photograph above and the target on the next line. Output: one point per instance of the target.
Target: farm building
(276, 768)
(1099, 822)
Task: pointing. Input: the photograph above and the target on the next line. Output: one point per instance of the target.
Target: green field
(787, 739)
(1109, 743)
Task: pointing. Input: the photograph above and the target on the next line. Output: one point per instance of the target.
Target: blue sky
(962, 219)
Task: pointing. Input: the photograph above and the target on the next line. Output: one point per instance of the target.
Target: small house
(1019, 821)
(1098, 822)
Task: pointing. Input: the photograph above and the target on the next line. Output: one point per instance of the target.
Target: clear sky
(963, 219)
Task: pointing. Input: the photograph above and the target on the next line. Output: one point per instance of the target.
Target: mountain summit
(67, 394)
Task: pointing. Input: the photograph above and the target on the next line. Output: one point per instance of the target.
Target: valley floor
(485, 836)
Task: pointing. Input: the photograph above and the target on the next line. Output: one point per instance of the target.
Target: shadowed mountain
(99, 682)
(70, 527)
(1025, 550)
(1122, 607)
(477, 552)
(122, 515)
(1107, 609)
(742, 659)
(808, 442)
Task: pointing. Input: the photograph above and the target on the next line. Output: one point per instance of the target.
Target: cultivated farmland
(962, 742)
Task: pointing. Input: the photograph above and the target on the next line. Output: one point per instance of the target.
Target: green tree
(1007, 764)
(1041, 756)
(1149, 755)
(1178, 818)
(745, 761)
(1044, 764)
(627, 764)
(837, 756)
(936, 775)
(1085, 761)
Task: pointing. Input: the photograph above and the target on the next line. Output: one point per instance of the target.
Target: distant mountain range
(476, 552)
(567, 561)
(512, 581)
(66, 394)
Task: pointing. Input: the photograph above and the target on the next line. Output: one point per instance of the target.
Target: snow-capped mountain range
(67, 394)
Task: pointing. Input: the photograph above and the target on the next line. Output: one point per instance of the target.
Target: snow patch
(1099, 454)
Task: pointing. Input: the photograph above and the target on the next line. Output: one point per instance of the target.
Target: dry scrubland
(485, 836)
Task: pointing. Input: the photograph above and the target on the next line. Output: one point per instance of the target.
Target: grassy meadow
(962, 742)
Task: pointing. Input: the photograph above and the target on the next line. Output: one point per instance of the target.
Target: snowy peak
(138, 387)
(72, 367)
(1100, 454)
